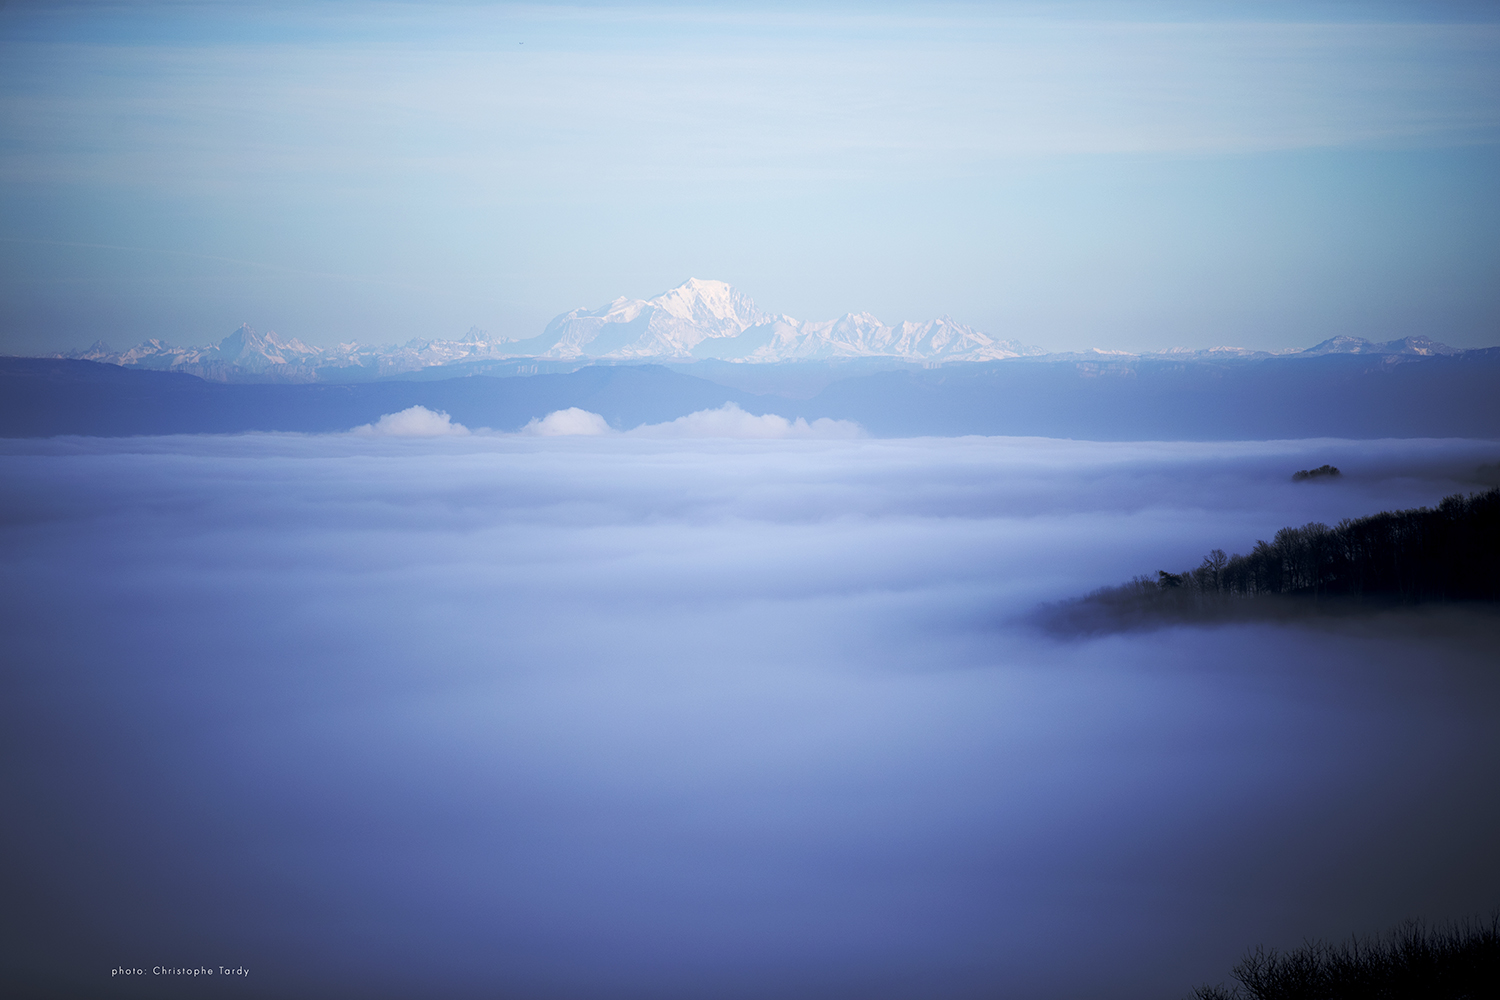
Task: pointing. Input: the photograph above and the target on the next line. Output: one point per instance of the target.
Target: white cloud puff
(729, 421)
(571, 422)
(415, 421)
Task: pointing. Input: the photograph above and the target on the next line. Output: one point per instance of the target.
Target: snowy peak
(1392, 350)
(668, 325)
(711, 319)
(1423, 346)
(244, 348)
(244, 353)
(248, 349)
(709, 304)
(97, 351)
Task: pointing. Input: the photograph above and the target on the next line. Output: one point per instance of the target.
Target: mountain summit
(667, 326)
(710, 319)
(1424, 346)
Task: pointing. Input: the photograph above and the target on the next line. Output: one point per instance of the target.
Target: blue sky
(1127, 176)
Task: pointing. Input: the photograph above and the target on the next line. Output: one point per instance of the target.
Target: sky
(1128, 176)
(683, 716)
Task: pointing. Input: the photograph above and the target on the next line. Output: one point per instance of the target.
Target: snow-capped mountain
(694, 321)
(243, 352)
(1392, 350)
(1424, 346)
(667, 326)
(709, 319)
(248, 355)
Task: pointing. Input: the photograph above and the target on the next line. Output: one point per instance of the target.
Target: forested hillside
(1446, 553)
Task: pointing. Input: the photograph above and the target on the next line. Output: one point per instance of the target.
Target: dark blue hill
(1335, 395)
(40, 397)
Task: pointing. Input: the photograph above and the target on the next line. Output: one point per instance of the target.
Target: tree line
(1448, 552)
(1460, 961)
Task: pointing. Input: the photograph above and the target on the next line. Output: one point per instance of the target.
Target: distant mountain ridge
(696, 321)
(1337, 394)
(1423, 346)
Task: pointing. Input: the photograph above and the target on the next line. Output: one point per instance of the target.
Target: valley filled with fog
(685, 715)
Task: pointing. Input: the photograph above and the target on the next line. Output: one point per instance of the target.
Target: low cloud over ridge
(728, 421)
(414, 421)
(572, 422)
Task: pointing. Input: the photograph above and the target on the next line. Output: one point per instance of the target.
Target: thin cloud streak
(1134, 175)
(678, 99)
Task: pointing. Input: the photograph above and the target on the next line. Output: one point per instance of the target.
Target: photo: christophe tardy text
(181, 970)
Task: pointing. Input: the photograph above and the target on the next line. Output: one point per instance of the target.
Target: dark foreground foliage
(1459, 962)
(1447, 553)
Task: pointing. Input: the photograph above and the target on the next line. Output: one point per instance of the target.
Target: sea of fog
(695, 717)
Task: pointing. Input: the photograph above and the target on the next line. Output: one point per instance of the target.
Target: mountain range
(1336, 394)
(696, 321)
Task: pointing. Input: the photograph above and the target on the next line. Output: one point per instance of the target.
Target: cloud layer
(605, 715)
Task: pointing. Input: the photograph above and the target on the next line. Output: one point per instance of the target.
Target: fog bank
(609, 716)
